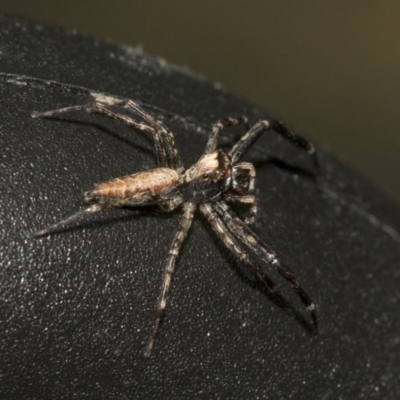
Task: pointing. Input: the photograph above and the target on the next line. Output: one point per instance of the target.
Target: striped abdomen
(141, 188)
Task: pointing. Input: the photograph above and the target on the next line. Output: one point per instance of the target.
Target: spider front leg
(218, 127)
(232, 244)
(180, 236)
(247, 140)
(251, 240)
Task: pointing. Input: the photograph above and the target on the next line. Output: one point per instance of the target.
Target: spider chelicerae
(217, 179)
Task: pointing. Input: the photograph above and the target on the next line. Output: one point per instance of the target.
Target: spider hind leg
(166, 151)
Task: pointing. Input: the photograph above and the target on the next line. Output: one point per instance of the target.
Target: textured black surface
(77, 307)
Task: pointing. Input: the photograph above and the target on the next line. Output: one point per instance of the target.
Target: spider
(215, 181)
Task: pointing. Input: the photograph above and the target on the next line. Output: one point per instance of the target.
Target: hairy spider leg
(100, 108)
(250, 239)
(180, 236)
(165, 134)
(247, 140)
(218, 127)
(233, 245)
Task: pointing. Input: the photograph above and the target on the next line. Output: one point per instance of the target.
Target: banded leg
(231, 243)
(180, 236)
(218, 127)
(250, 239)
(166, 135)
(247, 140)
(248, 199)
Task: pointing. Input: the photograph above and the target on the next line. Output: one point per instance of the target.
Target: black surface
(77, 307)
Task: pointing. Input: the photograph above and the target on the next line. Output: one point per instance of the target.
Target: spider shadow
(285, 166)
(108, 131)
(249, 278)
(261, 158)
(83, 223)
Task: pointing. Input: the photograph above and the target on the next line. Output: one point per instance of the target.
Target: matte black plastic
(77, 307)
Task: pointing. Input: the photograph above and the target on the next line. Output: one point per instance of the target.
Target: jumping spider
(216, 179)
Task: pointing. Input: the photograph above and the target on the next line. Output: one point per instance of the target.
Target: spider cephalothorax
(207, 179)
(214, 181)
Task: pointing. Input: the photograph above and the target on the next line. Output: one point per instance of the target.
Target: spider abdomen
(141, 188)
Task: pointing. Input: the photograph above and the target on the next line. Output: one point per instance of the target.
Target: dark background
(323, 67)
(75, 306)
